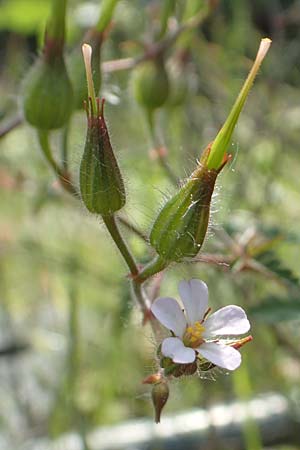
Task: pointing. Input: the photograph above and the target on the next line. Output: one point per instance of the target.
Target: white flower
(194, 333)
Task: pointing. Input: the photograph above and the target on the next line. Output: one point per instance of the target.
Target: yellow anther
(193, 335)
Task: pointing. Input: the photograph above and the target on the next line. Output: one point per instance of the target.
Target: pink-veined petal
(170, 315)
(194, 295)
(221, 355)
(174, 348)
(230, 320)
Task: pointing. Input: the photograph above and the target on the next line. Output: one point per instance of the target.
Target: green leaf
(275, 310)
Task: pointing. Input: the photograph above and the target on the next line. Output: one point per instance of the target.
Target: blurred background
(73, 352)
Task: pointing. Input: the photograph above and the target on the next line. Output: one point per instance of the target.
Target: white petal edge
(169, 314)
(194, 296)
(221, 355)
(175, 349)
(230, 320)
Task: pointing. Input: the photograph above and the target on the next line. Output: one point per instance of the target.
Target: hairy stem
(61, 174)
(112, 227)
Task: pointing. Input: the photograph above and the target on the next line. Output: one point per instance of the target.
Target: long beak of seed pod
(87, 57)
(220, 144)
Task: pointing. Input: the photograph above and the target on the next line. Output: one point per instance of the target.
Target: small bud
(48, 93)
(101, 184)
(160, 395)
(151, 84)
(181, 225)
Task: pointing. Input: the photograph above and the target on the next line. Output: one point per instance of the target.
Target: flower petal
(170, 315)
(175, 349)
(194, 295)
(221, 355)
(227, 321)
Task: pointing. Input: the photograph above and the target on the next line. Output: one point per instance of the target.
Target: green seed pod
(151, 84)
(101, 184)
(48, 94)
(181, 225)
(160, 395)
(77, 70)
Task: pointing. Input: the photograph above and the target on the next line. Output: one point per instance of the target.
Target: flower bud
(160, 395)
(101, 184)
(181, 225)
(151, 84)
(48, 94)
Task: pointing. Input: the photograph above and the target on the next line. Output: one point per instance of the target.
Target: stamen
(193, 335)
(206, 314)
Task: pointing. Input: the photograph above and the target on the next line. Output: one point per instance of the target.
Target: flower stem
(141, 297)
(106, 13)
(56, 23)
(138, 291)
(138, 278)
(112, 227)
(62, 176)
(153, 267)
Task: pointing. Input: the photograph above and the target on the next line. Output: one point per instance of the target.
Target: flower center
(193, 335)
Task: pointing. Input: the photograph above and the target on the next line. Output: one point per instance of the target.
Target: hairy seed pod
(101, 184)
(180, 228)
(48, 94)
(151, 84)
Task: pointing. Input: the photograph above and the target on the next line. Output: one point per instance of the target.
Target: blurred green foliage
(63, 285)
(24, 16)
